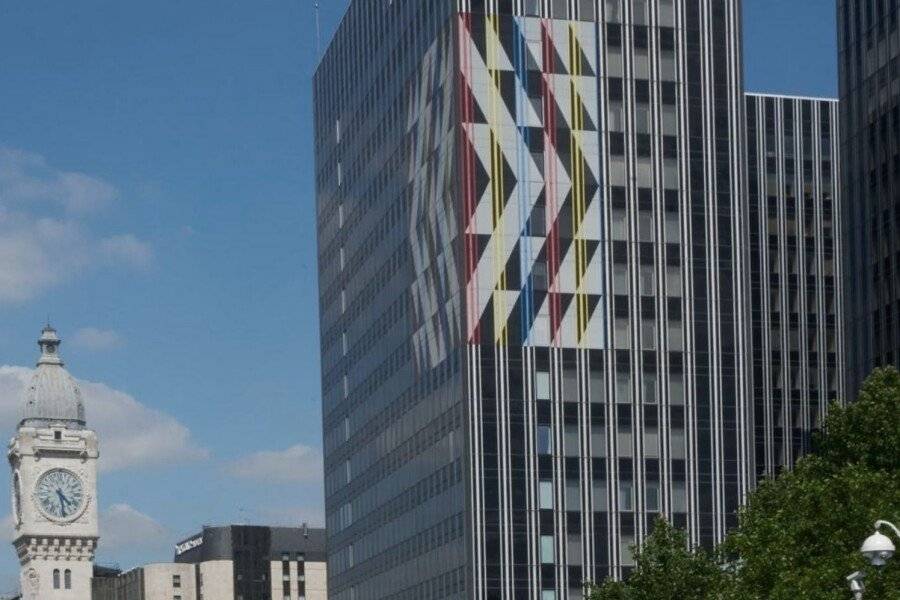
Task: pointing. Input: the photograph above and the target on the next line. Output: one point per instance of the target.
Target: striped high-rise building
(534, 287)
(796, 282)
(869, 67)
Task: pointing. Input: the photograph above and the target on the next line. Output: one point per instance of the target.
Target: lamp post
(877, 549)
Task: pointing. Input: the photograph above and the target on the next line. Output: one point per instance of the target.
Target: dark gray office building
(868, 62)
(533, 269)
(796, 283)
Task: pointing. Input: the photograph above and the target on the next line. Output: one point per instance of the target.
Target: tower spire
(52, 396)
(49, 344)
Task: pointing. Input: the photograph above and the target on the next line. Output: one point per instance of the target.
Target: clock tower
(53, 458)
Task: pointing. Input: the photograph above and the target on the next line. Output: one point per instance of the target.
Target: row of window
(611, 11)
(624, 441)
(626, 496)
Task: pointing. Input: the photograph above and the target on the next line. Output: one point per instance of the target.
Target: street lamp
(856, 584)
(877, 549)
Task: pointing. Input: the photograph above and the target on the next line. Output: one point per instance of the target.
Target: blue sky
(156, 201)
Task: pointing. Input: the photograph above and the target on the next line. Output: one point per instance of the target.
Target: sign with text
(188, 545)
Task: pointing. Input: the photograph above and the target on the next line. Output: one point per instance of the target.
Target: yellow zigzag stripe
(501, 335)
(579, 200)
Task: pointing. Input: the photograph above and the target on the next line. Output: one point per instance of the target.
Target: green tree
(799, 534)
(667, 569)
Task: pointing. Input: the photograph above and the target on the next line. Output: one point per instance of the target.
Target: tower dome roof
(52, 396)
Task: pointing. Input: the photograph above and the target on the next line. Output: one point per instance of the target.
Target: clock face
(60, 494)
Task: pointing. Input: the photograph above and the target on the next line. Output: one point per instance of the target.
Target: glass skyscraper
(796, 281)
(534, 285)
(868, 62)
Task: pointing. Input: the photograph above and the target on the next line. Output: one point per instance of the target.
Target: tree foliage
(667, 569)
(799, 534)
(866, 432)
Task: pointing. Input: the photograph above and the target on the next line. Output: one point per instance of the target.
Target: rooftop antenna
(318, 33)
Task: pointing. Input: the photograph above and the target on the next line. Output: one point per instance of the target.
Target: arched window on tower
(68, 579)
(55, 579)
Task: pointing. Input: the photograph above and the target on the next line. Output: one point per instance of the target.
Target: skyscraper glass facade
(869, 63)
(394, 396)
(796, 282)
(533, 262)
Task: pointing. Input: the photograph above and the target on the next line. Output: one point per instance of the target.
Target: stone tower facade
(53, 458)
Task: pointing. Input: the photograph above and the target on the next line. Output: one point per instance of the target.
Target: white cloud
(123, 527)
(96, 339)
(127, 249)
(36, 254)
(27, 179)
(297, 464)
(44, 235)
(131, 434)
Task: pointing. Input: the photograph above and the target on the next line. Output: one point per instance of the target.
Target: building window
(600, 502)
(55, 579)
(677, 443)
(623, 387)
(544, 440)
(542, 385)
(546, 494)
(679, 497)
(598, 441)
(68, 579)
(649, 387)
(573, 495)
(571, 441)
(626, 549)
(626, 496)
(176, 581)
(547, 550)
(573, 549)
(647, 280)
(652, 496)
(651, 441)
(586, 10)
(676, 388)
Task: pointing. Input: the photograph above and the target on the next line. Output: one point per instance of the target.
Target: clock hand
(63, 501)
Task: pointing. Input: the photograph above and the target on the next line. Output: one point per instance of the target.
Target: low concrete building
(243, 561)
(163, 581)
(237, 562)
